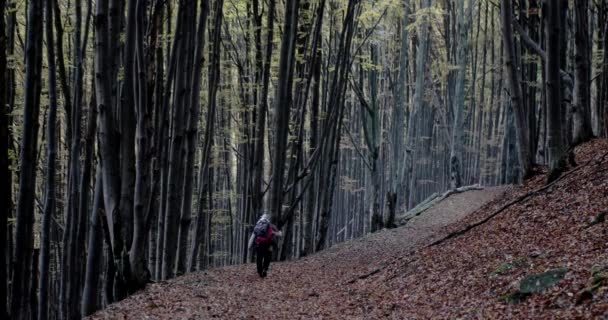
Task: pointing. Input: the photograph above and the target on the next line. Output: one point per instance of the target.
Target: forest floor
(411, 273)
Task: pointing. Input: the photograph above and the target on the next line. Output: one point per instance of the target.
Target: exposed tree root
(431, 201)
(518, 200)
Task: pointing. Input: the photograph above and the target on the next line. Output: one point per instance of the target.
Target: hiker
(263, 239)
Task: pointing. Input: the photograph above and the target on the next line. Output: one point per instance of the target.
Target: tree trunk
(24, 240)
(457, 144)
(260, 130)
(282, 106)
(179, 109)
(399, 108)
(95, 253)
(331, 135)
(554, 121)
(5, 172)
(526, 159)
(193, 125)
(108, 138)
(582, 71)
(51, 154)
(214, 79)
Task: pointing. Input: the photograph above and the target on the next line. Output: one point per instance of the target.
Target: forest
(141, 139)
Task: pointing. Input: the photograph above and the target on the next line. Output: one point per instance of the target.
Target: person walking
(263, 240)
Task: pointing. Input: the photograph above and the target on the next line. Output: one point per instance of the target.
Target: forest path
(328, 285)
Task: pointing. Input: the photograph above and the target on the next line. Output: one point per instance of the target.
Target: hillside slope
(399, 274)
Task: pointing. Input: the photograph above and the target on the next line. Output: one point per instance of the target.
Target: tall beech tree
(167, 127)
(22, 306)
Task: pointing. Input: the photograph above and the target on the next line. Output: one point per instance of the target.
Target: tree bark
(51, 153)
(5, 172)
(192, 134)
(456, 153)
(176, 166)
(582, 75)
(282, 107)
(526, 159)
(24, 241)
(107, 135)
(94, 254)
(554, 98)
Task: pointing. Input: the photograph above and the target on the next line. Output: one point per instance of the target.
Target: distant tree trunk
(582, 75)
(526, 159)
(554, 121)
(534, 28)
(51, 154)
(459, 96)
(418, 108)
(371, 126)
(314, 138)
(5, 173)
(24, 240)
(399, 107)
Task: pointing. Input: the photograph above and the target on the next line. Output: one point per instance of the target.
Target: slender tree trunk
(51, 153)
(309, 237)
(526, 159)
(24, 241)
(417, 108)
(554, 124)
(333, 124)
(456, 152)
(399, 109)
(192, 134)
(140, 274)
(5, 172)
(282, 106)
(582, 71)
(108, 139)
(214, 79)
(91, 291)
(258, 157)
(179, 109)
(72, 210)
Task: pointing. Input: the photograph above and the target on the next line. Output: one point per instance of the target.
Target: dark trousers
(263, 257)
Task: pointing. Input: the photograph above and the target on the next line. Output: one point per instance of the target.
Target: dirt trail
(329, 285)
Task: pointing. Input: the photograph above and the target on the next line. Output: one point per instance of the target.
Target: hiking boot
(264, 274)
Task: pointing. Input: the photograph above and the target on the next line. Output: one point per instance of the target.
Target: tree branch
(515, 201)
(367, 164)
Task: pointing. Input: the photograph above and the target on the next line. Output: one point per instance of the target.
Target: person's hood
(265, 216)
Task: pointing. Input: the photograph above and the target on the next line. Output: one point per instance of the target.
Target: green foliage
(434, 15)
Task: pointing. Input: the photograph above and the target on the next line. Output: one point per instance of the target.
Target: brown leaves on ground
(393, 274)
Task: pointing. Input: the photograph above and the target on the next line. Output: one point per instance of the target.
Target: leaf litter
(396, 274)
